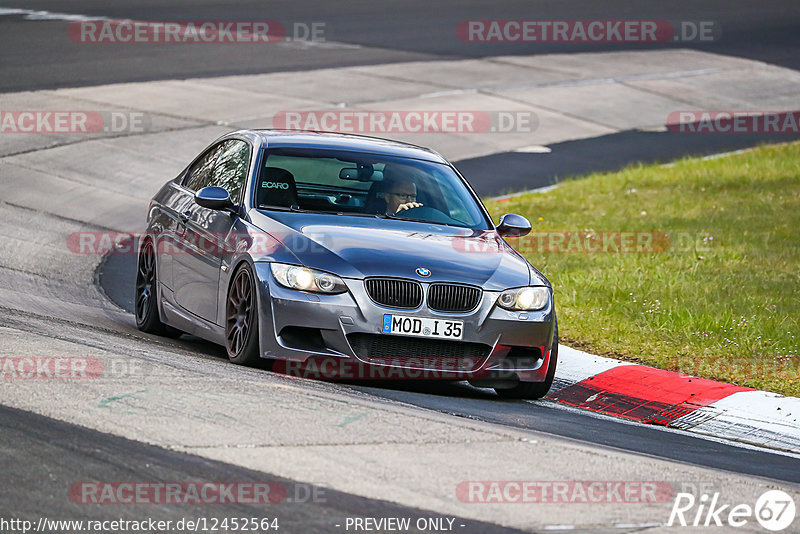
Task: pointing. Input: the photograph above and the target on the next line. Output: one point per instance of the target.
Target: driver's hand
(408, 206)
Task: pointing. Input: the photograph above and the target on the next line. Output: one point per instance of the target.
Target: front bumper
(301, 328)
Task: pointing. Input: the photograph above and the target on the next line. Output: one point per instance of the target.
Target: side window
(199, 175)
(230, 169)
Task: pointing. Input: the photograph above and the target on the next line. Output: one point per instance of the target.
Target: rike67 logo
(774, 510)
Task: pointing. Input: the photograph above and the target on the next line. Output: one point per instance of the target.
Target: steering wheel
(425, 214)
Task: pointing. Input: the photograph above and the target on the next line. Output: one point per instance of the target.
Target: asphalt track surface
(117, 276)
(511, 171)
(62, 454)
(40, 453)
(38, 55)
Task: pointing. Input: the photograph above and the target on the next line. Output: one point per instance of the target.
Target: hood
(358, 247)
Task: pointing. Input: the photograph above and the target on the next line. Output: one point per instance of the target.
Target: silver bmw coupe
(345, 257)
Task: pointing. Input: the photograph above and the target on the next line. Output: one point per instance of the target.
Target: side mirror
(214, 198)
(512, 225)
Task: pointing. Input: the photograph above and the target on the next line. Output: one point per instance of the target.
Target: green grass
(720, 299)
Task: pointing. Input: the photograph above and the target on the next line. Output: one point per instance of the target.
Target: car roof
(350, 142)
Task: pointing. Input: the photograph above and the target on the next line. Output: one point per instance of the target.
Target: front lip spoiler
(351, 367)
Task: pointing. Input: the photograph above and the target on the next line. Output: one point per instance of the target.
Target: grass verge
(692, 267)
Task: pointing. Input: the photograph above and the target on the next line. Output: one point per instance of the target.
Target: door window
(200, 174)
(223, 165)
(230, 169)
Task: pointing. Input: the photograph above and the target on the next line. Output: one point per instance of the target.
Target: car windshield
(356, 183)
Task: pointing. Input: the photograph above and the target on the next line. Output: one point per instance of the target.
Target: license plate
(422, 327)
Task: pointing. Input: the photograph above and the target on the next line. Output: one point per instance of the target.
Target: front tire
(241, 318)
(535, 390)
(146, 303)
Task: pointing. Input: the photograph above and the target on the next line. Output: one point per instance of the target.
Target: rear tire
(146, 302)
(535, 390)
(241, 318)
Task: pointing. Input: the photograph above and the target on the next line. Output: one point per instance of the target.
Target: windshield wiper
(293, 207)
(297, 209)
(351, 213)
(395, 217)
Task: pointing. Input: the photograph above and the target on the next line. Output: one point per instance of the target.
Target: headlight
(305, 279)
(524, 298)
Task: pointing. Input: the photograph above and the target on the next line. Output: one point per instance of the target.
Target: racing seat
(277, 188)
(375, 203)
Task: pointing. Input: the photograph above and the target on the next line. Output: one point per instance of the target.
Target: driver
(400, 194)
